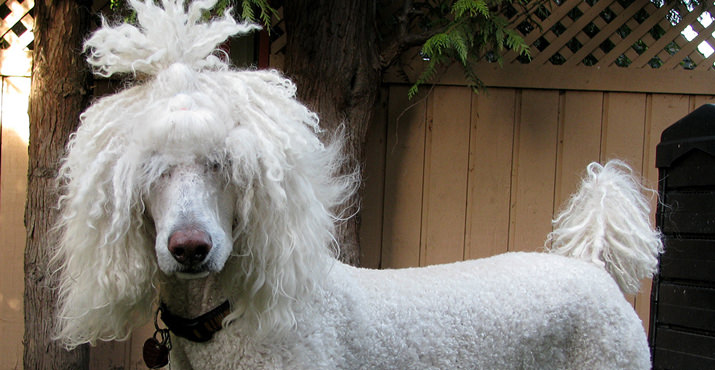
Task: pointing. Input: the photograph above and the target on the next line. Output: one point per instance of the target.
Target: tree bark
(332, 56)
(59, 93)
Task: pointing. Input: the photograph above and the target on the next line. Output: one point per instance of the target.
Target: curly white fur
(166, 35)
(249, 121)
(235, 154)
(607, 223)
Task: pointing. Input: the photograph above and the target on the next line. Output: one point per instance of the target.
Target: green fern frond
(435, 45)
(470, 30)
(470, 7)
(515, 42)
(427, 74)
(473, 80)
(247, 10)
(459, 44)
(265, 15)
(413, 91)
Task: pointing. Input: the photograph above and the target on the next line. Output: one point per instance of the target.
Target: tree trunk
(59, 93)
(332, 57)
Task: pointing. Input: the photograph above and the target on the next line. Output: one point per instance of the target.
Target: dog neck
(192, 298)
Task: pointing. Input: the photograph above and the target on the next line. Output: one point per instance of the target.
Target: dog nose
(189, 246)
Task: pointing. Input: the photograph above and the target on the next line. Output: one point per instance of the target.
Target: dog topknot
(163, 36)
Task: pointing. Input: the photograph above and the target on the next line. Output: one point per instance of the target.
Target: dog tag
(156, 355)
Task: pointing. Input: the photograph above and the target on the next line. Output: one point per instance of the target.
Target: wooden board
(533, 172)
(403, 180)
(699, 100)
(13, 190)
(623, 128)
(590, 78)
(579, 141)
(445, 185)
(622, 136)
(490, 161)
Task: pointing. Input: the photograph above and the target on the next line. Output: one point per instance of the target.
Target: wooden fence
(13, 187)
(15, 37)
(454, 175)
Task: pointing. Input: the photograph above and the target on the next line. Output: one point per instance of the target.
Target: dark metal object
(682, 322)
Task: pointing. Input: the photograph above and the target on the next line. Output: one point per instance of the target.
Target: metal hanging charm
(156, 349)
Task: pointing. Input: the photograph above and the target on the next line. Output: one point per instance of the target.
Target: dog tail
(607, 222)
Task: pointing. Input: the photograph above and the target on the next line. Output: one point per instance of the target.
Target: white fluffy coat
(512, 311)
(233, 154)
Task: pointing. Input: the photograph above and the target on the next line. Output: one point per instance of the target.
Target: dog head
(197, 170)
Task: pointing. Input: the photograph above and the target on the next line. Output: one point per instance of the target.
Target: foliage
(249, 9)
(458, 31)
(258, 11)
(470, 31)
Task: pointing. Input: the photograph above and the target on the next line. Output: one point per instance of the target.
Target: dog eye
(214, 166)
(166, 173)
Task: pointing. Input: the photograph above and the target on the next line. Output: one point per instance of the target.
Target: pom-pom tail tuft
(607, 222)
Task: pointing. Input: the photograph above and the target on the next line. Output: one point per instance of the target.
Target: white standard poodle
(204, 192)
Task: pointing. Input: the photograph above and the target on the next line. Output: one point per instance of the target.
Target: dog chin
(191, 275)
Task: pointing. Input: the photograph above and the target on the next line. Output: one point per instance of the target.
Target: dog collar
(199, 329)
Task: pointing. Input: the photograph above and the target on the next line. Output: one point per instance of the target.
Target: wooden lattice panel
(624, 33)
(17, 24)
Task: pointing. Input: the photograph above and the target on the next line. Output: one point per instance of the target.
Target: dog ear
(104, 255)
(286, 211)
(286, 241)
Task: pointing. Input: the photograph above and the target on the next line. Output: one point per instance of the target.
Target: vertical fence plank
(699, 100)
(579, 141)
(403, 179)
(491, 147)
(623, 128)
(373, 181)
(623, 136)
(13, 189)
(446, 176)
(534, 167)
